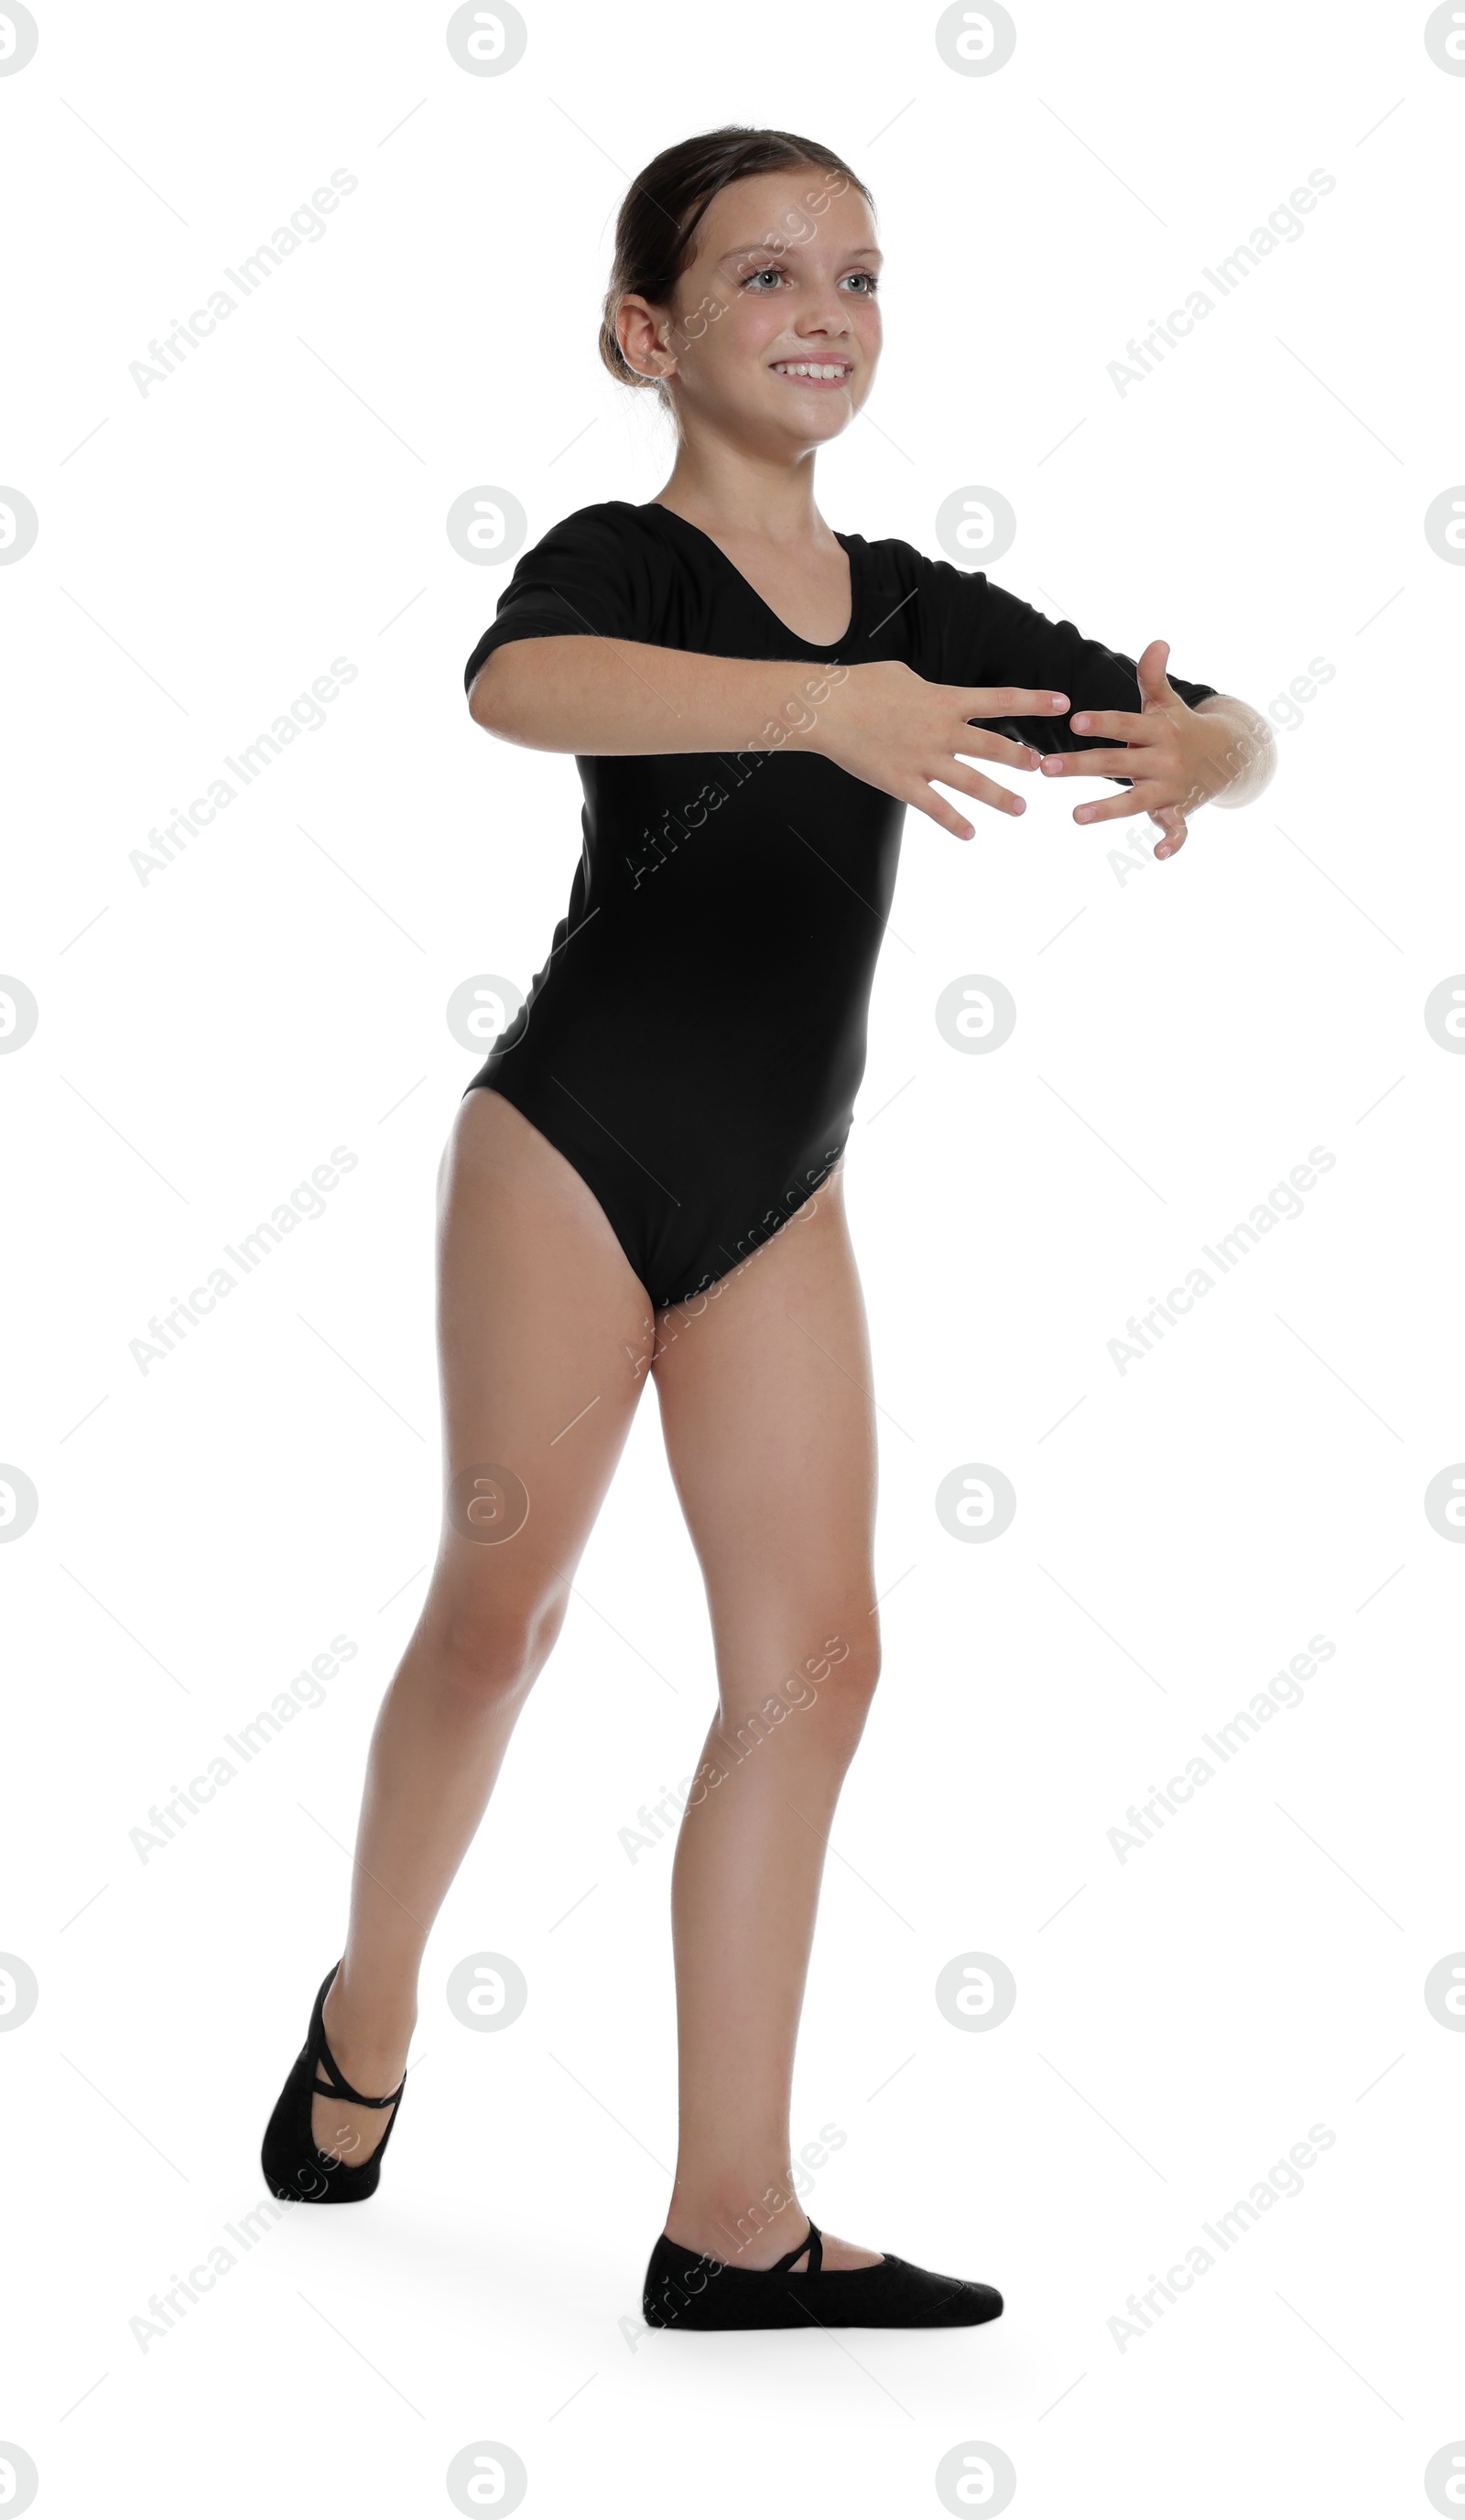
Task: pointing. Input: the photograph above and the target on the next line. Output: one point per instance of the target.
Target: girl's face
(784, 276)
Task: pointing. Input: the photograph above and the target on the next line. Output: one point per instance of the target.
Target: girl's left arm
(1222, 751)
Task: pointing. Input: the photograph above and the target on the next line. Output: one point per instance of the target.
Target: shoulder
(610, 547)
(592, 572)
(887, 553)
(603, 515)
(608, 524)
(929, 614)
(903, 570)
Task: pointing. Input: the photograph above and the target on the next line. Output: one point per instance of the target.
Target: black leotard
(695, 1038)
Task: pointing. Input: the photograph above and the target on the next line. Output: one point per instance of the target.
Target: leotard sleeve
(587, 576)
(970, 631)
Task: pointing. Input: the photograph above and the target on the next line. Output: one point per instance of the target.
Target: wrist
(807, 693)
(1239, 768)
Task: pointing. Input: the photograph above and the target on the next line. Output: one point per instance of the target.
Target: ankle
(374, 2037)
(741, 2225)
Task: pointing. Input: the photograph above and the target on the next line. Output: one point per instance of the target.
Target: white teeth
(806, 368)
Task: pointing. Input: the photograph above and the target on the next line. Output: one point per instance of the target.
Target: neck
(735, 497)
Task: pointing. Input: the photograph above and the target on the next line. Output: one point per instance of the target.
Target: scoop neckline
(847, 543)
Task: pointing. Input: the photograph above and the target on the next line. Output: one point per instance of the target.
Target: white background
(1185, 1034)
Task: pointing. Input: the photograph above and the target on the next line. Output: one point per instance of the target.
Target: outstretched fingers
(1007, 702)
(1169, 819)
(1126, 724)
(1002, 705)
(1118, 761)
(1114, 809)
(979, 701)
(929, 799)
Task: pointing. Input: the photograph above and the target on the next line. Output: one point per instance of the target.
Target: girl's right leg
(544, 1334)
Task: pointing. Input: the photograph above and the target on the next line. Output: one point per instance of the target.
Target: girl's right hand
(892, 728)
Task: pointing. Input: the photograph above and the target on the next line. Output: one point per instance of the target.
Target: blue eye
(773, 271)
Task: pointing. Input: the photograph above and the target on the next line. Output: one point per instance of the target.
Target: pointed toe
(296, 2170)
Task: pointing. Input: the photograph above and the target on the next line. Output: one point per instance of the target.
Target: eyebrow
(760, 244)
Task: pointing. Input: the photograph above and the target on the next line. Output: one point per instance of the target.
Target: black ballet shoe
(686, 2291)
(294, 2167)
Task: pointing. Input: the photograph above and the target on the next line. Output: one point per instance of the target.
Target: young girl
(643, 1179)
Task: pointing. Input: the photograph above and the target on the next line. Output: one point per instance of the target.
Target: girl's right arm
(880, 723)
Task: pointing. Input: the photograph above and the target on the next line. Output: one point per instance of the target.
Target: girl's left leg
(765, 1404)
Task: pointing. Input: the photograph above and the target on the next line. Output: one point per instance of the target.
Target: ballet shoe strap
(342, 2089)
(813, 2242)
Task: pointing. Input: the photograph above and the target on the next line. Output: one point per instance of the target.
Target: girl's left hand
(1165, 753)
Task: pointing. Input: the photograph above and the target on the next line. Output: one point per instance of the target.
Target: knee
(851, 1681)
(840, 1681)
(490, 1655)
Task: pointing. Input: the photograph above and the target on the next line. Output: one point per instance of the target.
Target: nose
(829, 325)
(827, 314)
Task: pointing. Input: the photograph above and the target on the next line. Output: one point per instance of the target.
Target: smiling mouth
(825, 374)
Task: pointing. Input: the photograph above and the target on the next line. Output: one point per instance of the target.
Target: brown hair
(656, 225)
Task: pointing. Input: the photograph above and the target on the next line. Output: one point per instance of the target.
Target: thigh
(544, 1334)
(768, 1415)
